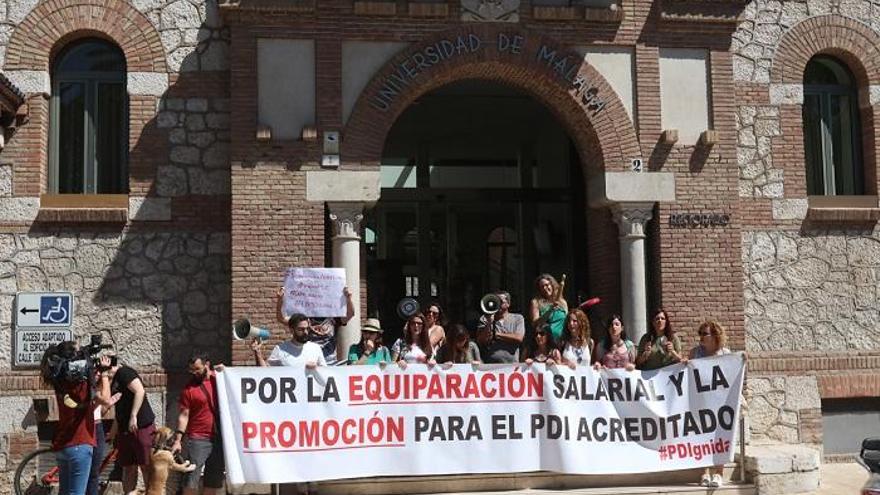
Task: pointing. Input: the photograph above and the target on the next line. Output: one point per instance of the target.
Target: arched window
(89, 120)
(832, 135)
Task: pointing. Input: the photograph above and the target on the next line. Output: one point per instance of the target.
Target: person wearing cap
(370, 349)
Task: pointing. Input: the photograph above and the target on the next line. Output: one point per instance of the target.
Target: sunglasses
(704, 334)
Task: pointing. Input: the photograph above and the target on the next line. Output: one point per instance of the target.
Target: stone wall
(784, 409)
(763, 23)
(198, 133)
(158, 286)
(816, 292)
(153, 296)
(811, 300)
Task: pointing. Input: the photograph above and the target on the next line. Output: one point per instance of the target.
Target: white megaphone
(242, 329)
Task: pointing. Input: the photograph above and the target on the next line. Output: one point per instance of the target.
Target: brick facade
(215, 215)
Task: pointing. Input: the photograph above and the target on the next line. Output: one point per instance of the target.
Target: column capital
(631, 218)
(346, 218)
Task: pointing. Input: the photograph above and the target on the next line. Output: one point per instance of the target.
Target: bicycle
(37, 473)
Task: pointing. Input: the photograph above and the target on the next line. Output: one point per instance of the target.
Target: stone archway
(52, 24)
(847, 39)
(555, 75)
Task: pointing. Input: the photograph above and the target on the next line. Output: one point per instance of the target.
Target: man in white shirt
(297, 351)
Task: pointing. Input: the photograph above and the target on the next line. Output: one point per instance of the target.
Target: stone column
(630, 219)
(346, 218)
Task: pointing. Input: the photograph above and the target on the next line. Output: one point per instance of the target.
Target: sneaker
(717, 481)
(705, 479)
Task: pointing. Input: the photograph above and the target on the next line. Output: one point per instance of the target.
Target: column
(630, 219)
(346, 218)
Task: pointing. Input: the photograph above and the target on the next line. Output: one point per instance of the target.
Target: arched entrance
(482, 190)
(552, 73)
(584, 106)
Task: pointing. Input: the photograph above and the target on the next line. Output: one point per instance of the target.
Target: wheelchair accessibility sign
(43, 309)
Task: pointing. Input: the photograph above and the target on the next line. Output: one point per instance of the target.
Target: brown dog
(162, 461)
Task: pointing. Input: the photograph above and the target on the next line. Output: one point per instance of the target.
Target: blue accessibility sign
(55, 310)
(44, 309)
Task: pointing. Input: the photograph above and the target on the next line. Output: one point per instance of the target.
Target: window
(89, 120)
(832, 137)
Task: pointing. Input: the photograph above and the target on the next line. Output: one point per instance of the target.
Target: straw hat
(372, 325)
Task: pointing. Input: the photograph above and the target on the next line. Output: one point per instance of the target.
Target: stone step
(684, 481)
(728, 489)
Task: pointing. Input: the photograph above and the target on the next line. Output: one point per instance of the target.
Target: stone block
(786, 94)
(19, 209)
(802, 392)
(30, 81)
(19, 9)
(196, 105)
(765, 459)
(622, 187)
(14, 412)
(785, 483)
(147, 83)
(5, 180)
(149, 209)
(790, 209)
(802, 458)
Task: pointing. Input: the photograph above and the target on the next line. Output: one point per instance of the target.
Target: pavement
(841, 478)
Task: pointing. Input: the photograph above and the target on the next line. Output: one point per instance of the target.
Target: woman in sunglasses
(434, 326)
(712, 343)
(542, 348)
(414, 346)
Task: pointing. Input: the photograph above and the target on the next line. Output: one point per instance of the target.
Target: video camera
(80, 365)
(93, 349)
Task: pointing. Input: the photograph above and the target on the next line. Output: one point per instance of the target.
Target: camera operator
(134, 425)
(71, 374)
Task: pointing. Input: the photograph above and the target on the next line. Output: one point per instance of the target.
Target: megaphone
(407, 307)
(242, 329)
(490, 304)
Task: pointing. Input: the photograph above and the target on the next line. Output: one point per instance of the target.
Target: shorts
(135, 448)
(207, 453)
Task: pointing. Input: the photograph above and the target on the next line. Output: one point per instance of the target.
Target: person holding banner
(414, 346)
(616, 350)
(577, 345)
(548, 306)
(660, 347)
(712, 343)
(459, 349)
(322, 331)
(199, 420)
(507, 332)
(370, 349)
(297, 351)
(542, 348)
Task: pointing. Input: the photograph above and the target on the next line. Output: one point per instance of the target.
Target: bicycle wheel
(37, 474)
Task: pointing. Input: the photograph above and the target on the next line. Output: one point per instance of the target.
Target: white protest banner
(288, 424)
(315, 292)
